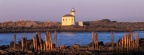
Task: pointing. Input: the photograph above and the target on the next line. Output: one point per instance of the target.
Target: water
(68, 38)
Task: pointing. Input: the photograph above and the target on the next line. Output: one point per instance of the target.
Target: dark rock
(62, 47)
(3, 47)
(76, 46)
(2, 52)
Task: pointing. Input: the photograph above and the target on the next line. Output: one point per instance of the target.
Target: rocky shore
(62, 29)
(70, 50)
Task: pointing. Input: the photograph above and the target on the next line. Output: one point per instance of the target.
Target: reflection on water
(68, 33)
(68, 38)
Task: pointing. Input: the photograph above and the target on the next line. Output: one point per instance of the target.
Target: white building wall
(80, 23)
(66, 21)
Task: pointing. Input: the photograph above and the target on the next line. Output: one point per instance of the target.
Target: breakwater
(63, 29)
(29, 26)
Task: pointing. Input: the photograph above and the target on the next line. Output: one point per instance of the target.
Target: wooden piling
(93, 40)
(137, 40)
(55, 39)
(45, 46)
(22, 43)
(127, 43)
(40, 42)
(112, 39)
(14, 40)
(131, 40)
(96, 42)
(122, 43)
(48, 41)
(25, 39)
(34, 45)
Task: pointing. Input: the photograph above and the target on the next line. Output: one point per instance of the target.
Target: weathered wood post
(44, 47)
(55, 39)
(112, 39)
(40, 41)
(25, 39)
(96, 42)
(93, 40)
(137, 40)
(130, 43)
(48, 41)
(124, 41)
(119, 46)
(34, 45)
(22, 43)
(127, 42)
(14, 40)
(131, 40)
(37, 42)
(122, 47)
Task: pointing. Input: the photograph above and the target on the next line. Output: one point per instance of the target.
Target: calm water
(68, 38)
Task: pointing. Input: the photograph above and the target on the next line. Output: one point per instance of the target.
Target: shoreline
(61, 30)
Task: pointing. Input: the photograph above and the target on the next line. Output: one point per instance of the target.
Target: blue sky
(86, 10)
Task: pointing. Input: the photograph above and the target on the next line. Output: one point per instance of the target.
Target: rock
(108, 44)
(88, 52)
(99, 43)
(62, 47)
(2, 52)
(11, 44)
(76, 46)
(3, 47)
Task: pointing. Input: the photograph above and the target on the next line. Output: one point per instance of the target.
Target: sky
(86, 10)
